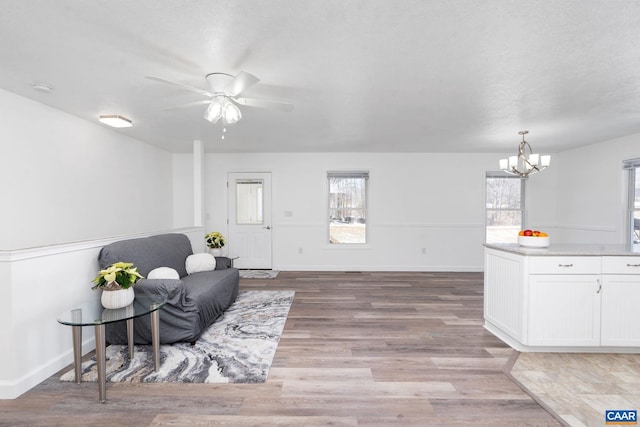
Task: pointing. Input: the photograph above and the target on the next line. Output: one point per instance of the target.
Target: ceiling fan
(223, 94)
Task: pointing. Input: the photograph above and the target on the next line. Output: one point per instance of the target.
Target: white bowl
(533, 242)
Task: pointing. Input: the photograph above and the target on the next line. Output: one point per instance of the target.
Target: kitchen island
(564, 298)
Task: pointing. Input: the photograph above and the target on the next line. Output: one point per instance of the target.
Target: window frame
(260, 211)
(633, 168)
(523, 215)
(347, 174)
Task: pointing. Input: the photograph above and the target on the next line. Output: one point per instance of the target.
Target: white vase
(215, 251)
(118, 298)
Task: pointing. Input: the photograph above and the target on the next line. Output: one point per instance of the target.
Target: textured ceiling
(370, 75)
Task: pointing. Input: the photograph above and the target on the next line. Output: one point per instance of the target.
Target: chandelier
(523, 165)
(222, 108)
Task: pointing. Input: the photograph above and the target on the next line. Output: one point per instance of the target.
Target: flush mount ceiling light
(524, 165)
(42, 87)
(115, 121)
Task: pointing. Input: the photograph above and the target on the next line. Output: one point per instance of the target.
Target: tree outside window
(348, 207)
(504, 207)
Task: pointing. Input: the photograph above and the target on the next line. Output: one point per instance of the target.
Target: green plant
(215, 240)
(119, 275)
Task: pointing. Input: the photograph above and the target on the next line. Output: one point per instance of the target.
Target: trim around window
(633, 204)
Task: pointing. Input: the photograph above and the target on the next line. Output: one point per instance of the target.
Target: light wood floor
(379, 349)
(580, 387)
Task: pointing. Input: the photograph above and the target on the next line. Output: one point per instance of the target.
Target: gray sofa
(195, 301)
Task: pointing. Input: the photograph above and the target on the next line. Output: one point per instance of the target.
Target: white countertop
(566, 250)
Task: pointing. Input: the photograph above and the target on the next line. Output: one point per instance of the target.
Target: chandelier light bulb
(513, 162)
(545, 161)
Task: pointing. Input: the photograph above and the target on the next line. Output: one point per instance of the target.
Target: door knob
(268, 227)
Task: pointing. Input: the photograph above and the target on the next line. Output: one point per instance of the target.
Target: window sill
(348, 246)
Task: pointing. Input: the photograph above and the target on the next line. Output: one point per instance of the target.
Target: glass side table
(93, 314)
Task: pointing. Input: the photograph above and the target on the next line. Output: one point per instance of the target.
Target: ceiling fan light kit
(523, 165)
(115, 121)
(222, 108)
(213, 113)
(231, 113)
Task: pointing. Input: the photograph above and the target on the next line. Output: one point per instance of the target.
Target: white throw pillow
(200, 262)
(163, 273)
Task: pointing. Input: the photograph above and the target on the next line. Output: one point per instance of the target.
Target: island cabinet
(544, 300)
(620, 301)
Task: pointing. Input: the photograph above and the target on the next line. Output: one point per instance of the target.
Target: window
(348, 207)
(633, 166)
(504, 207)
(249, 206)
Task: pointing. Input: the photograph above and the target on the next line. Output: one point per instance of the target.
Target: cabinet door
(620, 310)
(564, 310)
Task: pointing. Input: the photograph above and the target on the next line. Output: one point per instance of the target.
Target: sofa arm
(223, 262)
(170, 288)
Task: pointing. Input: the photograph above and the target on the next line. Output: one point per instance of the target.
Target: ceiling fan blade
(188, 105)
(263, 103)
(183, 86)
(242, 81)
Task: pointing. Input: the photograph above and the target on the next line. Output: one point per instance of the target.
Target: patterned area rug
(259, 274)
(238, 348)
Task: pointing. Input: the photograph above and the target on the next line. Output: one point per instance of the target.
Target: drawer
(621, 265)
(564, 265)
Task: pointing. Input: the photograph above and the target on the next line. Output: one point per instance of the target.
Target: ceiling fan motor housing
(218, 82)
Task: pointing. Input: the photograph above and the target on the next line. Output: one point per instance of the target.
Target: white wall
(69, 186)
(66, 179)
(592, 191)
(38, 284)
(541, 200)
(416, 201)
(43, 282)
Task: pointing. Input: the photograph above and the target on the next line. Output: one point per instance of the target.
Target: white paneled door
(250, 219)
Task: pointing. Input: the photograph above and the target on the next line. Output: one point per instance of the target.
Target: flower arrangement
(119, 275)
(215, 240)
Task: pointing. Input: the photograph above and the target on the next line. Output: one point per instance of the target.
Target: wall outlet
(424, 251)
(300, 250)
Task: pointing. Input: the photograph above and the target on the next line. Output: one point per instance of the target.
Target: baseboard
(518, 346)
(381, 268)
(15, 389)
